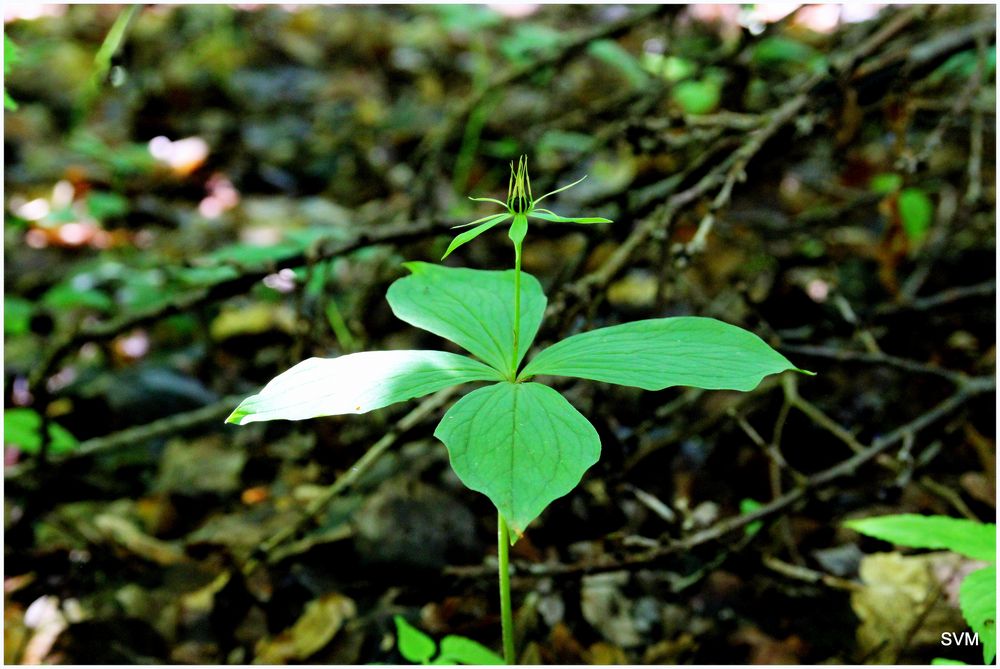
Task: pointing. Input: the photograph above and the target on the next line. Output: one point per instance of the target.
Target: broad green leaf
(473, 308)
(103, 205)
(458, 649)
(560, 140)
(17, 313)
(663, 352)
(23, 428)
(357, 383)
(612, 53)
(520, 444)
(972, 539)
(413, 644)
(530, 41)
(885, 183)
(67, 296)
(11, 55)
(466, 18)
(748, 505)
(777, 49)
(977, 596)
(697, 96)
(962, 65)
(916, 213)
(547, 215)
(252, 254)
(945, 662)
(671, 68)
(469, 235)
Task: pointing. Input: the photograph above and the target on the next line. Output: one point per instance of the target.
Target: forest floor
(229, 190)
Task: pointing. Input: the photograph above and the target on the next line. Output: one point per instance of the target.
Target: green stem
(506, 617)
(517, 309)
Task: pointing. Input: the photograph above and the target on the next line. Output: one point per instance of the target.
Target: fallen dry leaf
(319, 623)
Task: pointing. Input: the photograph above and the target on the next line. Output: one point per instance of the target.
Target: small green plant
(517, 441)
(977, 594)
(11, 55)
(419, 648)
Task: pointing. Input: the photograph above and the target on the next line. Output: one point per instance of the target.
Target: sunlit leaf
(357, 383)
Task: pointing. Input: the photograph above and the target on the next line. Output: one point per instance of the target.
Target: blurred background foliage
(197, 197)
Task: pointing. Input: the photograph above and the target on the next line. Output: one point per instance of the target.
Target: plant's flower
(520, 205)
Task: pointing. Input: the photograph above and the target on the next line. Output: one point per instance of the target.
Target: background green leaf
(977, 597)
(520, 444)
(458, 649)
(885, 182)
(23, 428)
(17, 313)
(697, 96)
(10, 56)
(748, 505)
(967, 537)
(357, 383)
(612, 53)
(916, 213)
(473, 308)
(659, 353)
(413, 644)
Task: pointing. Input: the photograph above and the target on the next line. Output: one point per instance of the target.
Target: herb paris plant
(517, 441)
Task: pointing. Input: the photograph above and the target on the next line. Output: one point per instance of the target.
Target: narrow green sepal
(547, 215)
(469, 235)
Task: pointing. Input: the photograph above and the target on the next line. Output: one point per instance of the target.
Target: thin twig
(945, 297)
(347, 479)
(842, 355)
(163, 427)
(221, 290)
